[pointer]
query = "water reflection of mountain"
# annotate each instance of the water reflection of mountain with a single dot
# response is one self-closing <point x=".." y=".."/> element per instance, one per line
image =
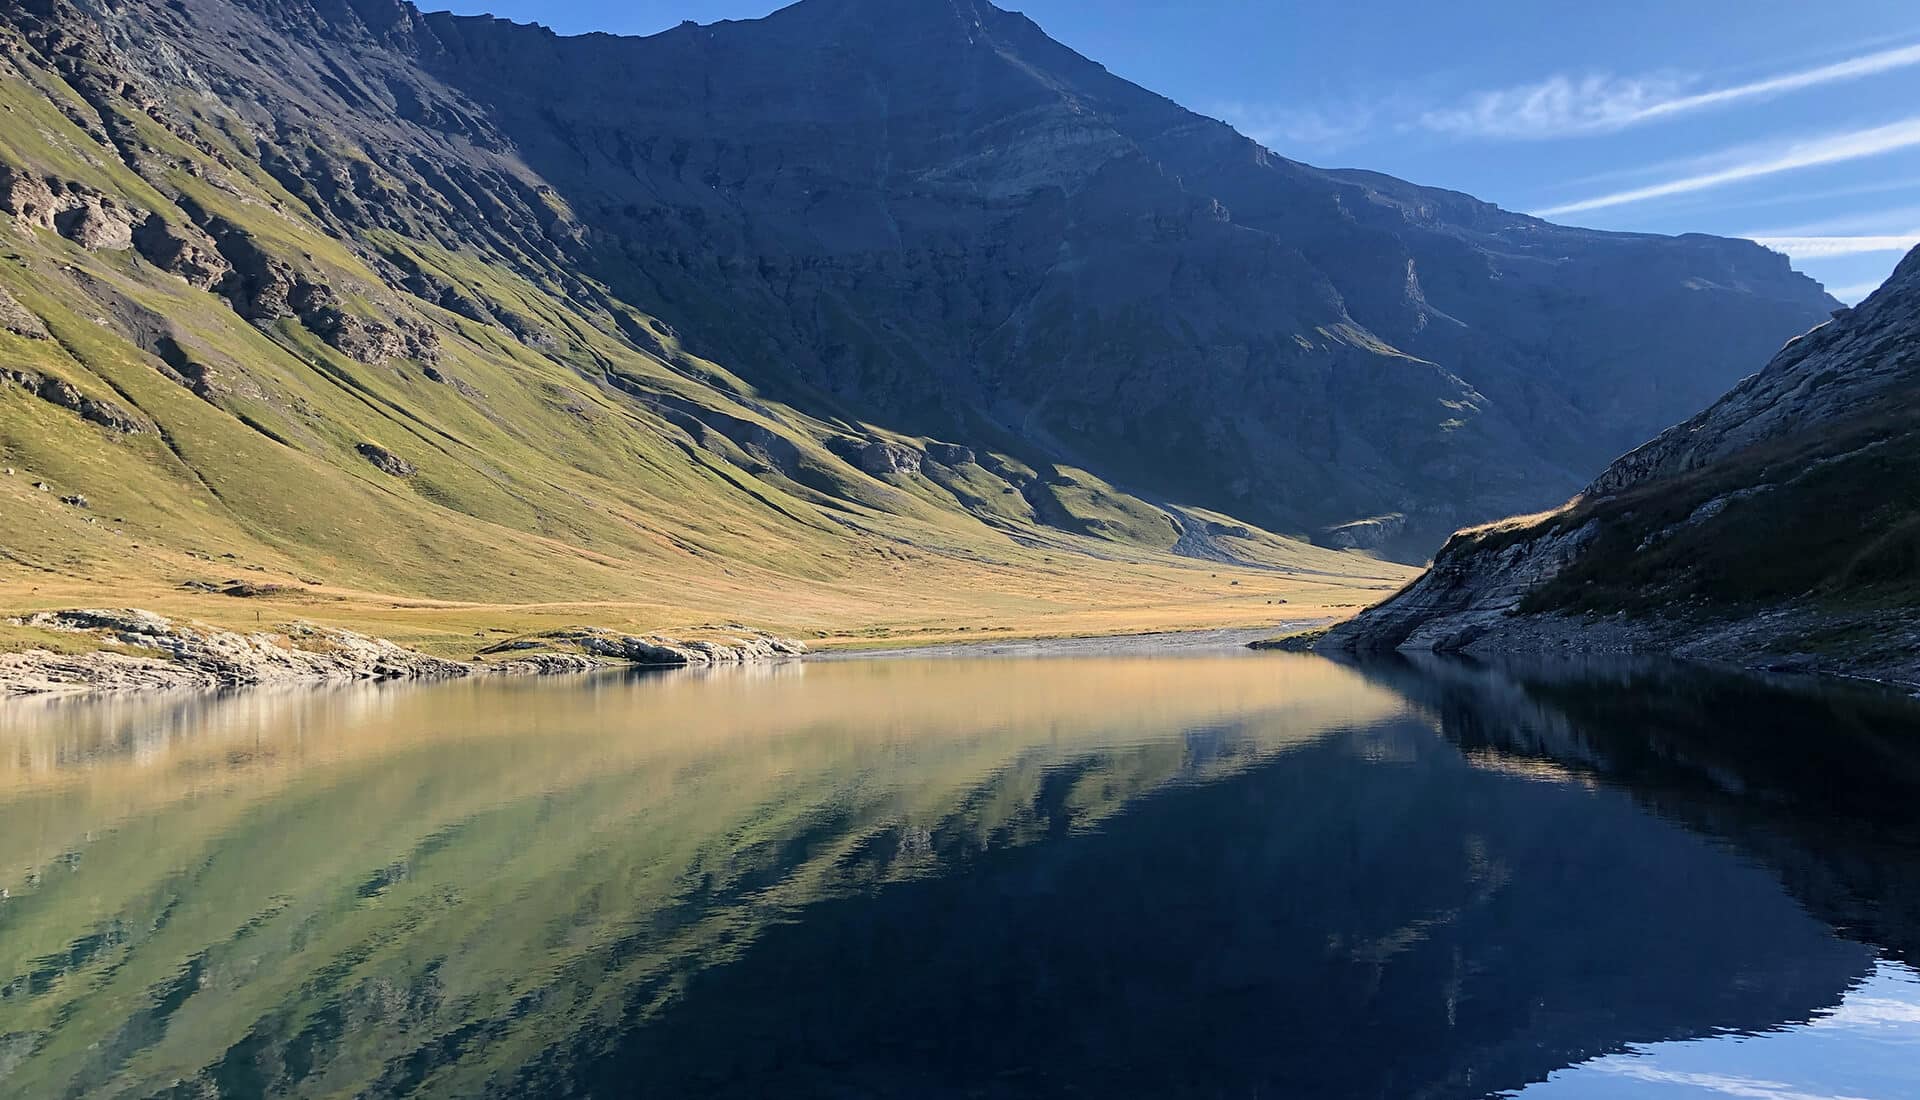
<point x="1819" y="781"/>
<point x="367" y="890"/>
<point x="1116" y="876"/>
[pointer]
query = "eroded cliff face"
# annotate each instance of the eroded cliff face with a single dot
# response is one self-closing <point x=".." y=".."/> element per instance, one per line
<point x="1780" y="526"/>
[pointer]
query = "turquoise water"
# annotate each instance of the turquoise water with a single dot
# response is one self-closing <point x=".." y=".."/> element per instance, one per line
<point x="1207" y="875"/>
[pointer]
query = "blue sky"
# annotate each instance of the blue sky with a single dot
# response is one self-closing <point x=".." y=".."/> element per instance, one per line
<point x="1795" y="122"/>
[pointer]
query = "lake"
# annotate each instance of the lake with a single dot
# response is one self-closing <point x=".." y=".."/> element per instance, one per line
<point x="1204" y="874"/>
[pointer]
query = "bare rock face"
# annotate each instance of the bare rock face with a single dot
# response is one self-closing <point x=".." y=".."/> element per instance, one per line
<point x="96" y="224"/>
<point x="1471" y="588"/>
<point x="27" y="197"/>
<point x="1837" y="369"/>
<point x="951" y="454"/>
<point x="89" y="219"/>
<point x="883" y="457"/>
<point x="17" y="319"/>
<point x="654" y="649"/>
<point x="1372" y="533"/>
<point x="181" y="251"/>
<point x="386" y="461"/>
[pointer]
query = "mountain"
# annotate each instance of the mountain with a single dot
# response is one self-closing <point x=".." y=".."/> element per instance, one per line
<point x="1782" y="521"/>
<point x="937" y="214"/>
<point x="855" y="314"/>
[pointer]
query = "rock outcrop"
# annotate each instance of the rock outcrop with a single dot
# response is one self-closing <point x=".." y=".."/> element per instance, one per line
<point x="882" y="458"/>
<point x="65" y="395"/>
<point x="1779" y="527"/>
<point x="737" y="646"/>
<point x="1464" y="596"/>
<point x="155" y="652"/>
<point x="386" y="461"/>
<point x="94" y="221"/>
<point x="142" y="651"/>
<point x="182" y="251"/>
<point x="1372" y="533"/>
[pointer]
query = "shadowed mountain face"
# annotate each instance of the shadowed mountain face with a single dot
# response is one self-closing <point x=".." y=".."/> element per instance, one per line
<point x="932" y="209"/>
<point x="928" y="215"/>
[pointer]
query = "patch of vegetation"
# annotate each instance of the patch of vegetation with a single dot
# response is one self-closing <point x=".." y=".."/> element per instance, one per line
<point x="1835" y="521"/>
<point x="1300" y="641"/>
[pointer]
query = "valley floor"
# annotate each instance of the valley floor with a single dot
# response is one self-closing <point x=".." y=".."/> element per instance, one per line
<point x="951" y="603"/>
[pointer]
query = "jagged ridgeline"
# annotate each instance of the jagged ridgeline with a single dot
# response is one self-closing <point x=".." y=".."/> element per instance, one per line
<point x="455" y="308"/>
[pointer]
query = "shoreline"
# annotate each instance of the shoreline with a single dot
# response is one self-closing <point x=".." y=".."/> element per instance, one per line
<point x="139" y="652"/>
<point x="1753" y="644"/>
<point x="1221" y="639"/>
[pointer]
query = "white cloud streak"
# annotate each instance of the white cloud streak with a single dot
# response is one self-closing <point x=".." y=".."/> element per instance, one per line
<point x="1720" y="1084"/>
<point x="1556" y="107"/>
<point x="1835" y="149"/>
<point x="1285" y="127"/>
<point x="1821" y="248"/>
<point x="1564" y="105"/>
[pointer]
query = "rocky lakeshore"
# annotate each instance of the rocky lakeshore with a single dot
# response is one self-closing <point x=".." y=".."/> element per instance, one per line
<point x="1879" y="647"/>
<point x="141" y="651"/>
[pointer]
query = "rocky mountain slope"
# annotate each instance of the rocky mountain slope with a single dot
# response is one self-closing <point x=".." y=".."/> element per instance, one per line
<point x="865" y="305"/>
<point x="1780" y="525"/>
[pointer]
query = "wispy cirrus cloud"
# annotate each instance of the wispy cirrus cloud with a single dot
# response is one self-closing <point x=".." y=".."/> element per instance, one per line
<point x="1826" y="248"/>
<point x="1286" y="127"/>
<point x="1832" y="149"/>
<point x="1556" y="107"/>
<point x="1564" y="105"/>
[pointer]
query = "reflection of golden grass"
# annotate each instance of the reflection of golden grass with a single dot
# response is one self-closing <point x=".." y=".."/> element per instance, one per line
<point x="162" y="747"/>
<point x="526" y="823"/>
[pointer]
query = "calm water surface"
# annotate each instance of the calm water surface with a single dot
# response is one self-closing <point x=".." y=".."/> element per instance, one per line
<point x="1097" y="876"/>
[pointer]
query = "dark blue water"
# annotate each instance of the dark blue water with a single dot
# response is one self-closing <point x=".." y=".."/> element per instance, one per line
<point x="1102" y="876"/>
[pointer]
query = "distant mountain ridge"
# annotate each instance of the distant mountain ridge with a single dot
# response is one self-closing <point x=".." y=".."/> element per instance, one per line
<point x="726" y="309"/>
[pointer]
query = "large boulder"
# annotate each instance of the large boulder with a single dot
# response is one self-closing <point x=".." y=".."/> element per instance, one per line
<point x="386" y="461"/>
